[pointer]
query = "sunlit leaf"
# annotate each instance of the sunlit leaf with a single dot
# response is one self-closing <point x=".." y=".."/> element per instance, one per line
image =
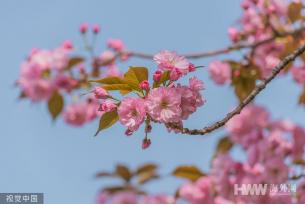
<point x="224" y="145"/>
<point x="189" y="172"/>
<point x="109" y="80"/>
<point x="134" y="76"/>
<point x="107" y="120"/>
<point x="123" y="172"/>
<point x="295" y="11"/>
<point x="55" y="104"/>
<point x="147" y="176"/>
<point x="146" y="168"/>
<point x="245" y="81"/>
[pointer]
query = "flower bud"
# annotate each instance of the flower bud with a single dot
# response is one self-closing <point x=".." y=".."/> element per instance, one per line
<point x="100" y="93"/>
<point x="146" y="143"/>
<point x="144" y="85"/>
<point x="96" y="28"/>
<point x="128" y="132"/>
<point x="157" y="75"/>
<point x="83" y="28"/>
<point x="67" y="44"/>
<point x="192" y="67"/>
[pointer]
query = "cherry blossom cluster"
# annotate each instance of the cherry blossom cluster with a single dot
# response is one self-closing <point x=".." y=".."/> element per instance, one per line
<point x="165" y="101"/>
<point x="262" y="20"/>
<point x="272" y="148"/>
<point x="55" y="75"/>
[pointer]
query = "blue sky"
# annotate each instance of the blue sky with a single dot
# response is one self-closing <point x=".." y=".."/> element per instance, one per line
<point x="37" y="155"/>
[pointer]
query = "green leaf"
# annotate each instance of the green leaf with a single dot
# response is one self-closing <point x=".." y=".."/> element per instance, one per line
<point x="224" y="145"/>
<point x="123" y="172"/>
<point x="189" y="172"/>
<point x="245" y="81"/>
<point x="73" y="62"/>
<point x="107" y="120"/>
<point x="295" y="11"/>
<point x="164" y="77"/>
<point x="55" y="104"/>
<point x="120" y="87"/>
<point x="146" y="168"/>
<point x="146" y="173"/>
<point x="134" y="76"/>
<point x="109" y="80"/>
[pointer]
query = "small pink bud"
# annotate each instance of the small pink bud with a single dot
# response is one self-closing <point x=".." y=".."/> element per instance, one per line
<point x="83" y="28"/>
<point x="157" y="75"/>
<point x="100" y="93"/>
<point x="233" y="34"/>
<point x="116" y="44"/>
<point x="67" y="44"/>
<point x="271" y="9"/>
<point x="236" y="73"/>
<point x="128" y="132"/>
<point x="144" y="85"/>
<point x="192" y="67"/>
<point x="96" y="28"/>
<point x="146" y="143"/>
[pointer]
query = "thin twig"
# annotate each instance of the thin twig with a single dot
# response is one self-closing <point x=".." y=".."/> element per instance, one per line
<point x="220" y="51"/>
<point x="247" y="100"/>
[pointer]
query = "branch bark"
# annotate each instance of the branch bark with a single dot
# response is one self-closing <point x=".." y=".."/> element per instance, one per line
<point x="288" y="59"/>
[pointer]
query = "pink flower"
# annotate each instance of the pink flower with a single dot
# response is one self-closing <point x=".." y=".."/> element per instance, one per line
<point x="158" y="199"/>
<point x="132" y="112"/>
<point x="100" y="93"/>
<point x="125" y="198"/>
<point x="163" y="105"/>
<point x="167" y="61"/>
<point x="298" y="74"/>
<point x="102" y="198"/>
<point x="65" y="83"/>
<point x="107" y="57"/>
<point x="175" y="74"/>
<point x="198" y="192"/>
<point x="220" y="72"/>
<point x="196" y="84"/>
<point x="298" y="148"/>
<point x="190" y="100"/>
<point x="67" y="44"/>
<point x="76" y="114"/>
<point x="245" y="131"/>
<point x="107" y="106"/>
<point x="116" y="44"/>
<point x="234" y="35"/>
<point x="37" y="90"/>
<point x="113" y="70"/>
<point x="144" y="85"/>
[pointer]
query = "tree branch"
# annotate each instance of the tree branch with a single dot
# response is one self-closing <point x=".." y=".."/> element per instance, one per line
<point x="226" y="50"/>
<point x="247" y="100"/>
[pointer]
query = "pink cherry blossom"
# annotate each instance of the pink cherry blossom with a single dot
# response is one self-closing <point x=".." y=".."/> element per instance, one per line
<point x="144" y="85"/>
<point x="233" y="34"/>
<point x="100" y="93"/>
<point x="196" y="84"/>
<point x="167" y="61"/>
<point x="125" y="198"/>
<point x="158" y="199"/>
<point x="107" y="106"/>
<point x="116" y="44"/>
<point x="132" y="112"/>
<point x="37" y="90"/>
<point x="64" y="82"/>
<point x="163" y="105"/>
<point x="220" y="72"/>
